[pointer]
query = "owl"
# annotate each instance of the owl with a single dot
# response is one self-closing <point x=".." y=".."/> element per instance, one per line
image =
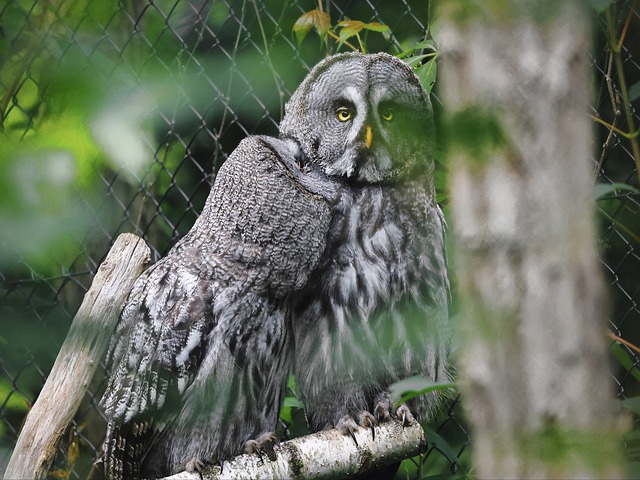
<point x="319" y="252"/>
<point x="375" y="308"/>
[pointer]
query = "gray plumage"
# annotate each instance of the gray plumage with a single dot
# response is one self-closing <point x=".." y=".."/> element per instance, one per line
<point x="201" y="353"/>
<point x="375" y="310"/>
<point x="314" y="245"/>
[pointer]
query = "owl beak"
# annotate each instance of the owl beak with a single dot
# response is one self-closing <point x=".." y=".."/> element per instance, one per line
<point x="368" y="136"/>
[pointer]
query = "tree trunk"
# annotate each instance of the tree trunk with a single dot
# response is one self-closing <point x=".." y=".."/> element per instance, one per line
<point x="534" y="368"/>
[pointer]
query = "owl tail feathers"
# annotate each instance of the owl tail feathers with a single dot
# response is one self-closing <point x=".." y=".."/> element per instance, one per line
<point x="124" y="449"/>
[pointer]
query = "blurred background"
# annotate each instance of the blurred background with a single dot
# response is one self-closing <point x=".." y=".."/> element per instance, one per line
<point x="116" y="114"/>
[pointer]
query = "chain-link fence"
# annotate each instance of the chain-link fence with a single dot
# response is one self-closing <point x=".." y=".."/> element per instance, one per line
<point x="143" y="100"/>
<point x="616" y="69"/>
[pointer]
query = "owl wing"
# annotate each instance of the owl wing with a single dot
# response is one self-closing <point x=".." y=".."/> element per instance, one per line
<point x="263" y="229"/>
<point x="155" y="353"/>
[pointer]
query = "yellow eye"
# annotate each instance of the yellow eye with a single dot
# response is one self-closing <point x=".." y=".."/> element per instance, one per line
<point x="387" y="115"/>
<point x="344" y="114"/>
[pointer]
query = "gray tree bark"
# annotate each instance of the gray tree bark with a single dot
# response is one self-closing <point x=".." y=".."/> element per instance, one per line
<point x="534" y="367"/>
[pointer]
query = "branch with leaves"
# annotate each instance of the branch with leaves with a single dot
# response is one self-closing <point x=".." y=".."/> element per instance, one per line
<point x="320" y="20"/>
<point x="421" y="57"/>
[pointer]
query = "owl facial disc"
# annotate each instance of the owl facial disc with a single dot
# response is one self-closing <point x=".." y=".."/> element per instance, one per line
<point x="364" y="118"/>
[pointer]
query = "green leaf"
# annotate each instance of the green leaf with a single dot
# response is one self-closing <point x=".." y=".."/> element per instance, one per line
<point x="414" y="387"/>
<point x="293" y="402"/>
<point x="416" y="60"/>
<point x="603" y="190"/>
<point x="623" y="358"/>
<point x="427" y="75"/>
<point x="291" y="383"/>
<point x="424" y="44"/>
<point x="286" y="415"/>
<point x="322" y="22"/>
<point x="349" y="28"/>
<point x="302" y="26"/>
<point x="314" y="18"/>
<point x="440" y="444"/>
<point x="376" y="27"/>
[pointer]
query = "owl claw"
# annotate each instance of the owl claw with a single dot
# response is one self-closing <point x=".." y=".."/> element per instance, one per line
<point x="263" y="443"/>
<point x="405" y="416"/>
<point x="347" y="426"/>
<point x="382" y="410"/>
<point x="353" y="436"/>
<point x="196" y="465"/>
<point x="367" y="420"/>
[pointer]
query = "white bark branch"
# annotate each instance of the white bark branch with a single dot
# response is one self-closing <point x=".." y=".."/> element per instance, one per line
<point x="323" y="455"/>
<point x="78" y="359"/>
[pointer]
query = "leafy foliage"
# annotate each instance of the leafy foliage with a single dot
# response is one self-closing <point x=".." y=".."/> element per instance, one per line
<point x="317" y="19"/>
<point x="424" y="64"/>
<point x="415" y="386"/>
<point x="346" y="29"/>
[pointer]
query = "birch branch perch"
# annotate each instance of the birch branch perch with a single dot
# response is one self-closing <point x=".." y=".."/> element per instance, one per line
<point x="323" y="455"/>
<point x="78" y="358"/>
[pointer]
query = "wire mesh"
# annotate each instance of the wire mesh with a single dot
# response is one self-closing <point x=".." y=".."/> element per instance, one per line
<point x="616" y="67"/>
<point x="189" y="79"/>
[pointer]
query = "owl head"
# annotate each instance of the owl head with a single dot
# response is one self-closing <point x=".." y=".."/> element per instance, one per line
<point x="363" y="117"/>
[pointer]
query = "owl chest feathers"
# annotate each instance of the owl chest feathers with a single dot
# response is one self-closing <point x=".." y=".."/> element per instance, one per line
<point x="374" y="254"/>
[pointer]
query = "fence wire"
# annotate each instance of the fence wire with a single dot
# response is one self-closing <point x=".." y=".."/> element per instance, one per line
<point x="168" y="88"/>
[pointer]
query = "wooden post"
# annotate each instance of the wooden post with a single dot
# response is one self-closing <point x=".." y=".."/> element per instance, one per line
<point x="78" y="359"/>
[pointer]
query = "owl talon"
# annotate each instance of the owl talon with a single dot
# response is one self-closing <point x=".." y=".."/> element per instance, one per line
<point x="382" y="410"/>
<point x="405" y="416"/>
<point x="347" y="426"/>
<point x="367" y="420"/>
<point x="196" y="465"/>
<point x="263" y="443"/>
<point x="353" y="436"/>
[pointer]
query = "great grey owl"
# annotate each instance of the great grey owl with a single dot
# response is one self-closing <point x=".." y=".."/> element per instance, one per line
<point x="375" y="308"/>
<point x="323" y="248"/>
